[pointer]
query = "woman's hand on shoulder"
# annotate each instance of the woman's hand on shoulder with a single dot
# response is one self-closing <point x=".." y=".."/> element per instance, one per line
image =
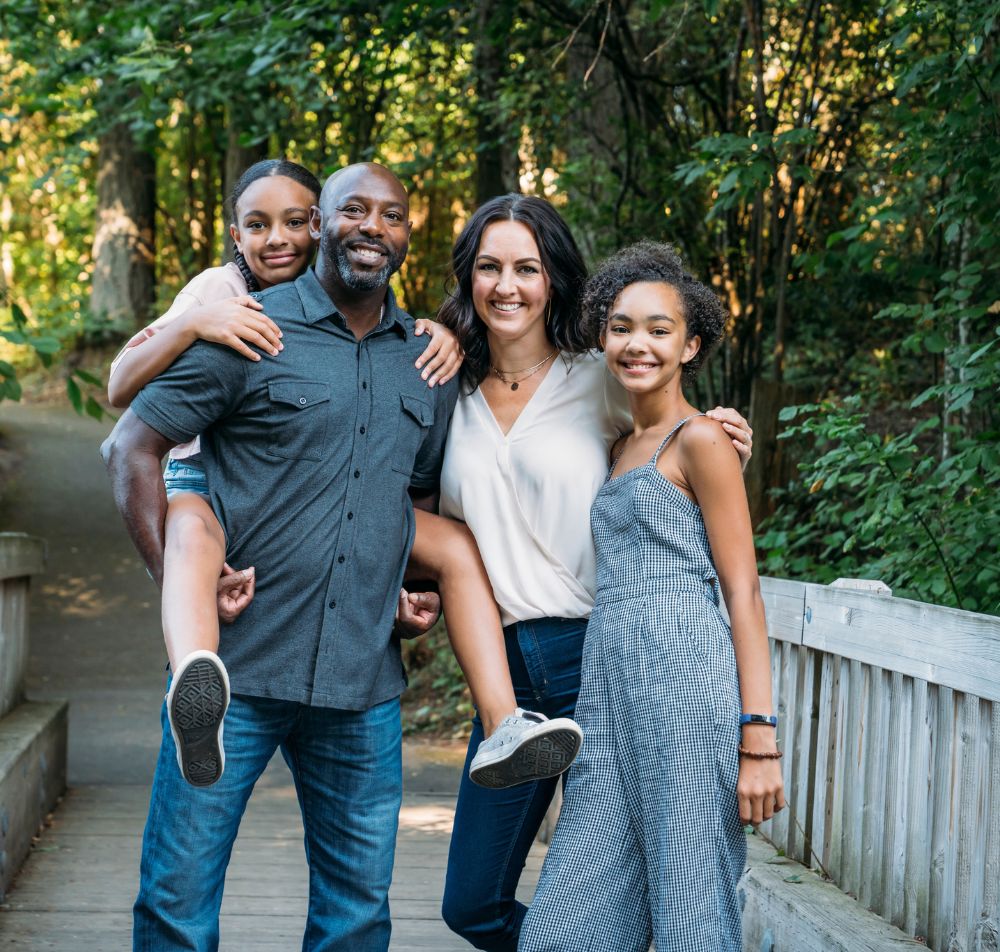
<point x="737" y="429"/>
<point x="237" y="323"/>
<point x="442" y="357"/>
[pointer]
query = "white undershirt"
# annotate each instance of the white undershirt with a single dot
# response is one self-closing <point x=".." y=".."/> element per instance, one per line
<point x="526" y="496"/>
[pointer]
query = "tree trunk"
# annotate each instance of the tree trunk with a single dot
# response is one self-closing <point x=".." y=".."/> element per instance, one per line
<point x="124" y="285"/>
<point x="238" y="159"/>
<point x="770" y="466"/>
<point x="496" y="158"/>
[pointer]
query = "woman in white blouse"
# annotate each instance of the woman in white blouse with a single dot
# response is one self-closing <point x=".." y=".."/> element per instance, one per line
<point x="527" y="452"/>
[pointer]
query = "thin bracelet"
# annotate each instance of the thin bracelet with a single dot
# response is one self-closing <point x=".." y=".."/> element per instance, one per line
<point x="760" y="754"/>
<point x="768" y="719"/>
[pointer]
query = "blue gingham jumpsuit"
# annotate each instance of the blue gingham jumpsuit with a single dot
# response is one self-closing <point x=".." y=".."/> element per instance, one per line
<point x="649" y="844"/>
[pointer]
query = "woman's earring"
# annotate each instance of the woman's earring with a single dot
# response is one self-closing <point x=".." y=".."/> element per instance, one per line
<point x="548" y="312"/>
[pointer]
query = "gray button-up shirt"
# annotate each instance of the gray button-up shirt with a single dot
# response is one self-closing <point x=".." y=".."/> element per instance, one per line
<point x="309" y="456"/>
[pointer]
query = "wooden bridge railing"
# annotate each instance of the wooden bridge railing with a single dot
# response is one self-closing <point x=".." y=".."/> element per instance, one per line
<point x="890" y="721"/>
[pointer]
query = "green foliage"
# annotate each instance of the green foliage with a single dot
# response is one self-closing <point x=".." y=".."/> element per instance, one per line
<point x="882" y="506"/>
<point x="437" y="700"/>
<point x="830" y="167"/>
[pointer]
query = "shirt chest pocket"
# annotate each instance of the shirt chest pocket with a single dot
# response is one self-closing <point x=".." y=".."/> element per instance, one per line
<point x="298" y="419"/>
<point x="415" y="419"/>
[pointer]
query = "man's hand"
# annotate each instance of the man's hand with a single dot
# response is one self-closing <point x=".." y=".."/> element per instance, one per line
<point x="737" y="429"/>
<point x="416" y="613"/>
<point x="234" y="592"/>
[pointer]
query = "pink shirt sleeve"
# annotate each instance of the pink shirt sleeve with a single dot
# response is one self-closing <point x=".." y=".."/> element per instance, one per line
<point x="215" y="284"/>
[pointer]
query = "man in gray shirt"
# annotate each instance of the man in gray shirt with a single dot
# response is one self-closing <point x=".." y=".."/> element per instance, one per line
<point x="312" y="458"/>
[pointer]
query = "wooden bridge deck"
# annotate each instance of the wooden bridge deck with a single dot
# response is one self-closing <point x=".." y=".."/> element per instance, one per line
<point x="77" y="888"/>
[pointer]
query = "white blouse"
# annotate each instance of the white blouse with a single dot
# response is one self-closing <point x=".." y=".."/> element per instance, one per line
<point x="526" y="496"/>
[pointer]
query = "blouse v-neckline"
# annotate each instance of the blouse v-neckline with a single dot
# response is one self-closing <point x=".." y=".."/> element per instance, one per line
<point x="527" y="410"/>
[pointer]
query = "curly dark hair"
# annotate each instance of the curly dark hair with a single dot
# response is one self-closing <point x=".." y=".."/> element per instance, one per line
<point x="561" y="260"/>
<point x="265" y="169"/>
<point x="654" y="261"/>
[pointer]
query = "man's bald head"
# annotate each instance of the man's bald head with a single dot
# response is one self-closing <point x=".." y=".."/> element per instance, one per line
<point x="361" y="175"/>
<point x="363" y="227"/>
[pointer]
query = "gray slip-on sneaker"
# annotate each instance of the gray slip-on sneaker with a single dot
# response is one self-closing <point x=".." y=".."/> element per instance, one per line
<point x="526" y="746"/>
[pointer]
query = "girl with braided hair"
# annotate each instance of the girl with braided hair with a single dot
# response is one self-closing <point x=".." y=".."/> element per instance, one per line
<point x="271" y="207"/>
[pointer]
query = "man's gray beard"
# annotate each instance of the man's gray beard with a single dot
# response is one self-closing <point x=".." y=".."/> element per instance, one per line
<point x="362" y="280"/>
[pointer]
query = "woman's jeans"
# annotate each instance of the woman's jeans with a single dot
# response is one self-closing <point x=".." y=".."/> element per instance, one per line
<point x="494" y="829"/>
<point x="348" y="775"/>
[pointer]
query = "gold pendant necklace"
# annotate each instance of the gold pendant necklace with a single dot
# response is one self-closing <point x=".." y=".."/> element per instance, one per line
<point x="506" y="375"/>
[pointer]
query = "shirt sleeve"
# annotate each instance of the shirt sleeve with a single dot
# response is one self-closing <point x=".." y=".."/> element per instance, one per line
<point x="430" y="456"/>
<point x="206" y="383"/>
<point x="216" y="284"/>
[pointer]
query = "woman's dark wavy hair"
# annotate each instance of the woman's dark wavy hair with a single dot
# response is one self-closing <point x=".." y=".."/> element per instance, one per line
<point x="561" y="260"/>
<point x="265" y="169"/>
<point x="652" y="261"/>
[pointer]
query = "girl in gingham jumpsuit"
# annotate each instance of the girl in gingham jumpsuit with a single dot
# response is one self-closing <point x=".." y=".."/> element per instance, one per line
<point x="650" y="843"/>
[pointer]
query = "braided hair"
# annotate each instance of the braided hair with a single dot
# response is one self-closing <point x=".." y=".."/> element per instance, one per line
<point x="265" y="169"/>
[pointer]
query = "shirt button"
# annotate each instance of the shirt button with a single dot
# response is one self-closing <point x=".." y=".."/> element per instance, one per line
<point x="357" y="473"/>
<point x="303" y="401"/>
<point x="333" y="604"/>
<point x="340" y="558"/>
<point x="364" y="384"/>
<point x="350" y="515"/>
<point x="362" y="431"/>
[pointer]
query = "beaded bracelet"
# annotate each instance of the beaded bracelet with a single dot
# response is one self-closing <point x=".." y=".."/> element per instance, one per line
<point x="761" y="754"/>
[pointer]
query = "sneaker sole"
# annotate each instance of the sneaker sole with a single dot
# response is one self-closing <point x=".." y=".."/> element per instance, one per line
<point x="540" y="757"/>
<point x="197" y="706"/>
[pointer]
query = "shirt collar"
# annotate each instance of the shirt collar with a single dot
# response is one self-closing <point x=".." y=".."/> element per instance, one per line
<point x="317" y="305"/>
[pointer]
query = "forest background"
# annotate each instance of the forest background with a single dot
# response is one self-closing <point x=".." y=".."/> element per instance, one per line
<point x="831" y="167"/>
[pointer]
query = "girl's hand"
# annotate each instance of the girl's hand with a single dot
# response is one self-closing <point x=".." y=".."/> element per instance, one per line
<point x="759" y="789"/>
<point x="416" y="613"/>
<point x="737" y="429"/>
<point x="234" y="591"/>
<point x="442" y="356"/>
<point x="236" y="322"/>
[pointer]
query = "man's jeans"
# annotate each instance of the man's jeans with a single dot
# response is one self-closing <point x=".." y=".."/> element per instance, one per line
<point x="348" y="775"/>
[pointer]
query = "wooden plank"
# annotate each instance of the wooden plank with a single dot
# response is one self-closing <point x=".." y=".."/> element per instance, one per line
<point x="873" y="782"/>
<point x="808" y="916"/>
<point x="942" y="645"/>
<point x="968" y="884"/>
<point x="917" y="864"/>
<point x="898" y="782"/>
<point x="802" y="760"/>
<point x="784" y="606"/>
<point x="787" y="705"/>
<point x="989" y="928"/>
<point x="942" y="898"/>
<point x="853" y="754"/>
<point x="826" y="758"/>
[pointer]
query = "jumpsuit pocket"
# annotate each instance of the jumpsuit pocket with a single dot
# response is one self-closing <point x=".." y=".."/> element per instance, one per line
<point x="415" y="419"/>
<point x="298" y="418"/>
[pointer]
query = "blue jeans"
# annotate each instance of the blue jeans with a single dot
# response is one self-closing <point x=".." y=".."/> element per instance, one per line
<point x="494" y="829"/>
<point x="348" y="775"/>
<point x="186" y="476"/>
